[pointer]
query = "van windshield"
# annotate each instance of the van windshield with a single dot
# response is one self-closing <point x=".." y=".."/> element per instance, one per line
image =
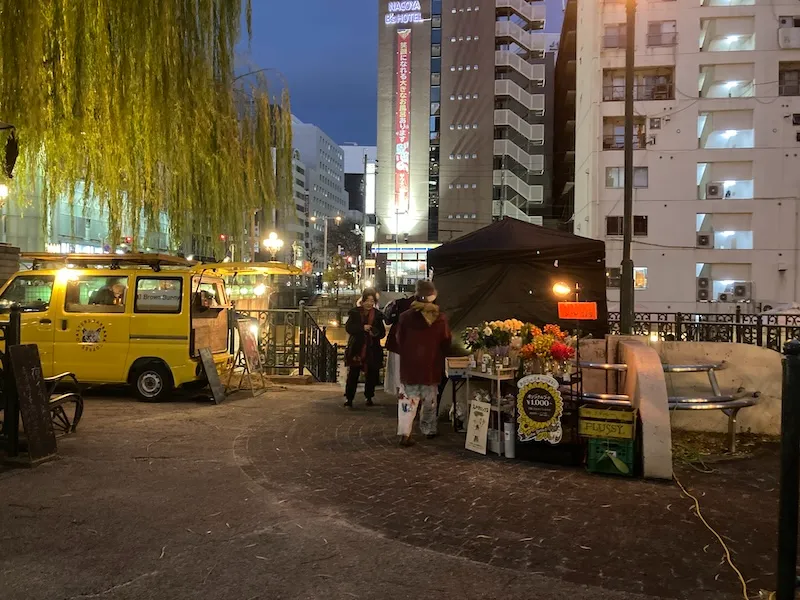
<point x="31" y="292"/>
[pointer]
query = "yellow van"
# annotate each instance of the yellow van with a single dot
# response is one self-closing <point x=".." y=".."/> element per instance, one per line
<point x="139" y="319"/>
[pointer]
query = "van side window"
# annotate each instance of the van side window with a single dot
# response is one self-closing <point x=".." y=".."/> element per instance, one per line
<point x="158" y="295"/>
<point x="31" y="292"/>
<point x="95" y="294"/>
<point x="207" y="294"/>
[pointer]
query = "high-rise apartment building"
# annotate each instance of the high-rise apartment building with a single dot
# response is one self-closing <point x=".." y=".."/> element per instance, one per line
<point x="716" y="149"/>
<point x="356" y="159"/>
<point x="464" y="118"/>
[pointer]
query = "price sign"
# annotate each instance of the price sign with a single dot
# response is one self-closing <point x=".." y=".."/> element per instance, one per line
<point x="577" y="311"/>
<point x="539" y="409"/>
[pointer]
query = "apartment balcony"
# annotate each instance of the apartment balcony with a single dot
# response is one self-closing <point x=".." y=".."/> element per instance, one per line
<point x="501" y="208"/>
<point x="531" y="41"/>
<point x="727" y="2"/>
<point x="727" y="81"/>
<point x="643" y="91"/>
<point x="729" y="34"/>
<point x="504" y="58"/>
<point x="725" y="180"/>
<point x="533" y="102"/>
<point x="614" y="133"/>
<point x="725" y="129"/>
<point x="662" y="38"/>
<point x="532" y="162"/>
<point x="530" y="193"/>
<point x="532" y="132"/>
<point x="533" y="13"/>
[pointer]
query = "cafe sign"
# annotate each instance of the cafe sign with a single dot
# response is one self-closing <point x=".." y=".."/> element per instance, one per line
<point x="404" y="13"/>
<point x="539" y="410"/>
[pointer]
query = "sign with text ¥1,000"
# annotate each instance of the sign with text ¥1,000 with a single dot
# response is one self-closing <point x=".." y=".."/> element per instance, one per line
<point x="577" y="311"/>
<point x="478" y="426"/>
<point x="539" y="410"/>
<point x="606" y="423"/>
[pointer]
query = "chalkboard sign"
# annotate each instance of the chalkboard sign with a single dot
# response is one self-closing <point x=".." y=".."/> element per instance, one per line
<point x="249" y="345"/>
<point x="539" y="410"/>
<point x="210" y="369"/>
<point x="34" y="401"/>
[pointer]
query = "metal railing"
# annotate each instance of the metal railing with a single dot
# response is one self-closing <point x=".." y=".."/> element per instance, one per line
<point x="767" y="330"/>
<point x="641" y="91"/>
<point x="667" y="38"/>
<point x="295" y="340"/>
<point x="617" y="142"/>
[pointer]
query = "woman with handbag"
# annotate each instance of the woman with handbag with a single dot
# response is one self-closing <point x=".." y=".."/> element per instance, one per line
<point x="364" y="353"/>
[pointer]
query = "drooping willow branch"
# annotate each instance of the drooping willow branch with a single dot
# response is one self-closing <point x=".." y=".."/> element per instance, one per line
<point x="133" y="105"/>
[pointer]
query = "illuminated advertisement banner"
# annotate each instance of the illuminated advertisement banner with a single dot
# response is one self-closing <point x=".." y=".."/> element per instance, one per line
<point x="402" y="129"/>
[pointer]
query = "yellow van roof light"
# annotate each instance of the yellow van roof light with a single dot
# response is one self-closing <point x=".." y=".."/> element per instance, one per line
<point x="112" y="261"/>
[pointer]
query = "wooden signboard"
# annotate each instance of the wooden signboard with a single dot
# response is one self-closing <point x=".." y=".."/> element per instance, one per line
<point x="34" y="402"/>
<point x="577" y="311"/>
<point x="478" y="426"/>
<point x="210" y="369"/>
<point x="249" y="345"/>
<point x="606" y="423"/>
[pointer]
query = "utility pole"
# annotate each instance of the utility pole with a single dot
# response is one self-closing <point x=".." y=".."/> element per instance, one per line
<point x="324" y="248"/>
<point x="626" y="309"/>
<point x="364" y="227"/>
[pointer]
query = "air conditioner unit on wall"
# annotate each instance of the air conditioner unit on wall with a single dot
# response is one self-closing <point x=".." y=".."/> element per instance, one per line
<point x="742" y="291"/>
<point x="725" y="297"/>
<point x="714" y="190"/>
<point x="703" y="289"/>
<point x="705" y="239"/>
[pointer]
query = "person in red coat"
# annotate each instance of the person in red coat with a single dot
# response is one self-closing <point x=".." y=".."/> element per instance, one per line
<point x="423" y="339"/>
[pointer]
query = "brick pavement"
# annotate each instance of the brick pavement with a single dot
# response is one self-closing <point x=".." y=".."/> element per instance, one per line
<point x="619" y="534"/>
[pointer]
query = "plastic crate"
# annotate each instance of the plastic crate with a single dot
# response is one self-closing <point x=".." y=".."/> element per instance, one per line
<point x="600" y="452"/>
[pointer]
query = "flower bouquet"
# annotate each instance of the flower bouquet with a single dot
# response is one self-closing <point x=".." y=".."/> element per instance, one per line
<point x="549" y="351"/>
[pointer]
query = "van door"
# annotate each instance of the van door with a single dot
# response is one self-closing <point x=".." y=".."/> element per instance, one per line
<point x="92" y="331"/>
<point x="33" y="292"/>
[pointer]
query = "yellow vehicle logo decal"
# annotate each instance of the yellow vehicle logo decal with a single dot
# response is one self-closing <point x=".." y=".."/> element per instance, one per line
<point x="91" y="334"/>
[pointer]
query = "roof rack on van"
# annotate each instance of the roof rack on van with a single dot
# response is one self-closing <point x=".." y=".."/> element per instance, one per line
<point x="113" y="261"/>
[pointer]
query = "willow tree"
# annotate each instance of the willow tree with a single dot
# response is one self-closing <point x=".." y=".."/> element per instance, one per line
<point x="136" y="104"/>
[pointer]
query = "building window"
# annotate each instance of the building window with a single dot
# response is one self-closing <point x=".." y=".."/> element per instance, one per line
<point x="662" y="33"/>
<point x="436" y="65"/>
<point x="614" y="226"/>
<point x="436" y="78"/>
<point x="436" y="50"/>
<point x="615" y="177"/>
<point x="436" y="36"/>
<point x="436" y="93"/>
<point x="614" y="278"/>
<point x="789" y="78"/>
<point x="614" y="36"/>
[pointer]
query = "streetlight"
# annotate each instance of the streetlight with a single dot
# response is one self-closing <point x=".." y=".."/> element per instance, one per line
<point x="273" y="244"/>
<point x="563" y="290"/>
<point x="338" y="220"/>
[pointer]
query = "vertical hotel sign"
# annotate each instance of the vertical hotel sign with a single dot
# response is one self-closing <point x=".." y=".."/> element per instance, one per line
<point x="402" y="129"/>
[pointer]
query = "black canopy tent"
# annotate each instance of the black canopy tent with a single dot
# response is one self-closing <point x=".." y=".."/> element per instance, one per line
<point x="507" y="270"/>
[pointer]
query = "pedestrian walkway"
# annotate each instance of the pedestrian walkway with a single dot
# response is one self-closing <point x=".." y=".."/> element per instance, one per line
<point x="291" y="496"/>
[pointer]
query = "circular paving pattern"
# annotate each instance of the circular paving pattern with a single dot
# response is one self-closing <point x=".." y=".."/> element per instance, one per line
<point x="618" y="533"/>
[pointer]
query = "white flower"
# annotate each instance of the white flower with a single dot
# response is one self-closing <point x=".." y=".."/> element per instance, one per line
<point x="487" y="331"/>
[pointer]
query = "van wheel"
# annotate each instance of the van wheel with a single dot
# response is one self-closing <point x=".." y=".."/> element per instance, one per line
<point x="153" y="382"/>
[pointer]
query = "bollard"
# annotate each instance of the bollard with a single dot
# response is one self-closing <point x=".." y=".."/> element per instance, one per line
<point x="790" y="472"/>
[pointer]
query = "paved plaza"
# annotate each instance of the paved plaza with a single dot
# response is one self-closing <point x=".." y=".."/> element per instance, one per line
<point x="289" y="495"/>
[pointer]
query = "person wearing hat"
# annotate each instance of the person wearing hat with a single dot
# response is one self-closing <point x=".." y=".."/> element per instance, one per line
<point x="423" y="339"/>
<point x="364" y="353"/>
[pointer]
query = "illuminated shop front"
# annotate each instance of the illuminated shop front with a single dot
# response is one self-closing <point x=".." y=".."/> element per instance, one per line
<point x="399" y="266"/>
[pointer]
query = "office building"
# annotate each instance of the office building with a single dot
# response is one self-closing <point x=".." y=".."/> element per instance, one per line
<point x="464" y="119"/>
<point x="355" y="160"/>
<point x="323" y="161"/>
<point x="716" y="150"/>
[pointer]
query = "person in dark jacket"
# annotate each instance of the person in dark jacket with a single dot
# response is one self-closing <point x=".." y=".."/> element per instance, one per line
<point x="364" y="353"/>
<point x="423" y="338"/>
<point x="391" y="381"/>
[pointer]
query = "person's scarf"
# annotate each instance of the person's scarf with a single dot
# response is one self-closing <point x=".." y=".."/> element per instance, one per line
<point x="428" y="310"/>
<point x="366" y="319"/>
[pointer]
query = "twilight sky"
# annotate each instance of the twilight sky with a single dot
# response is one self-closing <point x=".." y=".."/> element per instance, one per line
<point x="327" y="51"/>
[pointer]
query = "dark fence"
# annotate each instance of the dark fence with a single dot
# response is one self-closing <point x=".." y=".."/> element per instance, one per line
<point x="9" y="407"/>
<point x="768" y="330"/>
<point x="295" y="340"/>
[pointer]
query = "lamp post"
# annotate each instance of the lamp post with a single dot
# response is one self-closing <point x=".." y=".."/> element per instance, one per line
<point x="563" y="290"/>
<point x="273" y="244"/>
